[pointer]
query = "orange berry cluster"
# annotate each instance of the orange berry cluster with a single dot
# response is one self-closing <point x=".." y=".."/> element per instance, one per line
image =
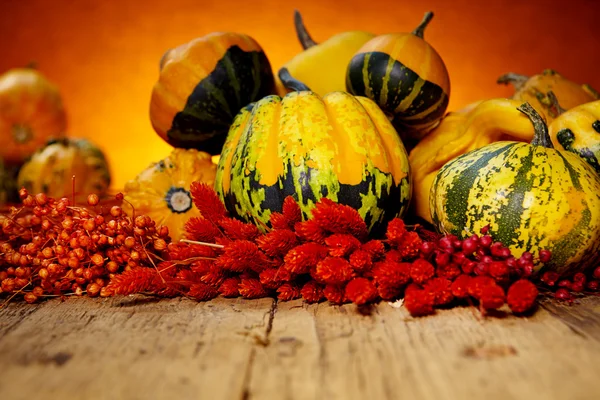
<point x="51" y="247"/>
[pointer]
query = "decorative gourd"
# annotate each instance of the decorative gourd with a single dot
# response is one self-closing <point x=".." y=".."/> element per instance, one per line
<point x="534" y="91"/>
<point x="162" y="191"/>
<point x="334" y="53"/>
<point x="405" y="76"/>
<point x="31" y="113"/>
<point x="473" y="127"/>
<point x="532" y="196"/>
<point x="202" y="86"/>
<point x="578" y="131"/>
<point x="337" y="146"/>
<point x="51" y="169"/>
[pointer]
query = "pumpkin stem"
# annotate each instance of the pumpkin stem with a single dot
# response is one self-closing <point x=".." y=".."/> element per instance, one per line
<point x="554" y="107"/>
<point x="420" y="30"/>
<point x="291" y="83"/>
<point x="303" y="36"/>
<point x="541" y="137"/>
<point x="517" y="80"/>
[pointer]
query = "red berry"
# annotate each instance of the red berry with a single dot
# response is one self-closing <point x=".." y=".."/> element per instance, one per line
<point x="468" y="267"/>
<point x="445" y="243"/>
<point x="550" y="278"/>
<point x="427" y="248"/>
<point x="593" y="285"/>
<point x="485" y="241"/>
<point x="459" y="258"/>
<point x="485" y="230"/>
<point x="578" y="286"/>
<point x="596" y="273"/>
<point x="563" y="294"/>
<point x="545" y="256"/>
<point x="527" y="256"/>
<point x="564" y="283"/>
<point x="481" y="268"/>
<point x="469" y="246"/>
<point x="442" y="259"/>
<point x="492" y="297"/>
<point x="579" y="277"/>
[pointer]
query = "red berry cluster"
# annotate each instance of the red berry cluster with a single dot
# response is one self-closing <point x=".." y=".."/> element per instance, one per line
<point x="566" y="289"/>
<point x="330" y="256"/>
<point x="50" y="247"/>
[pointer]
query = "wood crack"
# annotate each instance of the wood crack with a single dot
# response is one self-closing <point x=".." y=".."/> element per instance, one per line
<point x="246" y="391"/>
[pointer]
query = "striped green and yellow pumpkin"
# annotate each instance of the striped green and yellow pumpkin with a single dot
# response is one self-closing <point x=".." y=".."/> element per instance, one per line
<point x="578" y="131"/>
<point x="202" y="86"/>
<point x="405" y="76"/>
<point x="532" y="196"/>
<point x="337" y="146"/>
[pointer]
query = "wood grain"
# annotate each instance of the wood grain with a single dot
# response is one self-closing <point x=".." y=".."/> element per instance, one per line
<point x="144" y="348"/>
<point x="583" y="315"/>
<point x="133" y="349"/>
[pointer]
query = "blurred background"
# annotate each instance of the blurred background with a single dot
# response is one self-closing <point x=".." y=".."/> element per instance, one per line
<point x="104" y="55"/>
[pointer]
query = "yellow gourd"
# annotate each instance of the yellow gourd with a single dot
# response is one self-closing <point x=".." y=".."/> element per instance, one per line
<point x="162" y="191"/>
<point x="471" y="128"/>
<point x="322" y="66"/>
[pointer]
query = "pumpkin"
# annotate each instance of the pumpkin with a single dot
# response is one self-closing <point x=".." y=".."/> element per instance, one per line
<point x="335" y="53"/>
<point x="532" y="196"/>
<point x="534" y="90"/>
<point x="578" y="131"/>
<point x="310" y="147"/>
<point x="162" y="191"/>
<point x="405" y="76"/>
<point x="50" y="170"/>
<point x="202" y="86"/>
<point x="31" y="113"/>
<point x="459" y="132"/>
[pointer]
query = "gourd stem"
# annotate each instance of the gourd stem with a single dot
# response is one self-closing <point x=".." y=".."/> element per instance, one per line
<point x="420" y="30"/>
<point x="517" y="80"/>
<point x="290" y="82"/>
<point x="541" y="137"/>
<point x="303" y="36"/>
<point x="554" y="107"/>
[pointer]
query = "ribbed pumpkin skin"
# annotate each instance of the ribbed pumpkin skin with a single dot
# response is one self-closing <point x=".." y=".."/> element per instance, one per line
<point x="31" y="113"/>
<point x="578" y="131"/>
<point x="406" y="77"/>
<point x="202" y="86"/>
<point x="340" y="147"/>
<point x="532" y="197"/>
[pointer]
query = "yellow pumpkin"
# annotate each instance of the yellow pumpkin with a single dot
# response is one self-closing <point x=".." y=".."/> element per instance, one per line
<point x="31" y="113"/>
<point x="335" y="53"/>
<point x="162" y="191"/>
<point x="471" y="128"/>
<point x="51" y="169"/>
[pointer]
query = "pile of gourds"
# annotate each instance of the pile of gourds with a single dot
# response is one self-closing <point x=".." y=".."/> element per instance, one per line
<point x="361" y="119"/>
<point x="36" y="151"/>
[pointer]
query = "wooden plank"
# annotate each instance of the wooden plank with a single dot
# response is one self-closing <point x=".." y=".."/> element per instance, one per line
<point x="583" y="315"/>
<point x="11" y="314"/>
<point x="133" y="348"/>
<point x="320" y="351"/>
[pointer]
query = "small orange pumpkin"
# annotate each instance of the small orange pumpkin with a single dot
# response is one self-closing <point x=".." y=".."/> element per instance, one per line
<point x="31" y="113"/>
<point x="534" y="90"/>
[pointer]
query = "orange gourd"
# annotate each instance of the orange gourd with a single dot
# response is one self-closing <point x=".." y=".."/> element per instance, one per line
<point x="31" y="113"/>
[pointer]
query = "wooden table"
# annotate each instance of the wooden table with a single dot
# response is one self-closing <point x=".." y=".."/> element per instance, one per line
<point x="145" y="348"/>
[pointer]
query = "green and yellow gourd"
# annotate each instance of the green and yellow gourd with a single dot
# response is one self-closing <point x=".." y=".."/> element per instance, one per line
<point x="405" y="76"/>
<point x="337" y="146"/>
<point x="532" y="196"/>
<point x="202" y="86"/>
<point x="578" y="131"/>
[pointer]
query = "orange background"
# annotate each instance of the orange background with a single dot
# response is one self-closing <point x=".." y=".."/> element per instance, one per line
<point x="104" y="54"/>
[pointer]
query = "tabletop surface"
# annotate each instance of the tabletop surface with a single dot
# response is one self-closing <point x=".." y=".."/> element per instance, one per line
<point x="140" y="347"/>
